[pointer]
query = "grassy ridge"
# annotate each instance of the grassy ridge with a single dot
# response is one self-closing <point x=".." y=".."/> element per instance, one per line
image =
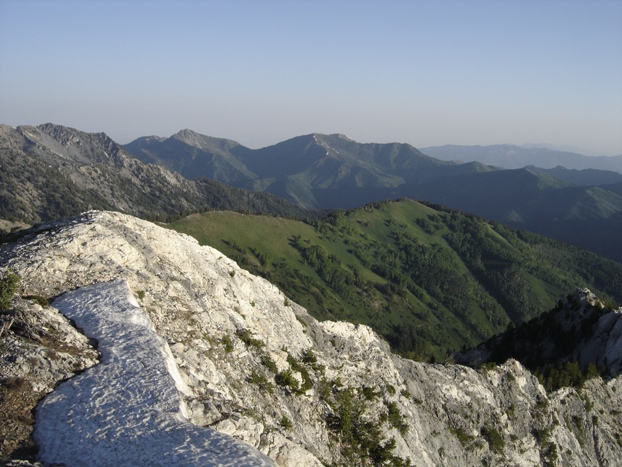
<point x="426" y="278"/>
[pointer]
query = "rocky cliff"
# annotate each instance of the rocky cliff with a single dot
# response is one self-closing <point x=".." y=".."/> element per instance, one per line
<point x="249" y="363"/>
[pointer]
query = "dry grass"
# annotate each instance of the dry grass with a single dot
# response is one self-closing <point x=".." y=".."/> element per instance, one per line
<point x="17" y="404"/>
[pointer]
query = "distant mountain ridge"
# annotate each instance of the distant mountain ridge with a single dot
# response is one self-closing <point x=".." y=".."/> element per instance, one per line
<point x="515" y="157"/>
<point x="528" y="192"/>
<point x="582" y="177"/>
<point x="315" y="170"/>
<point x="333" y="171"/>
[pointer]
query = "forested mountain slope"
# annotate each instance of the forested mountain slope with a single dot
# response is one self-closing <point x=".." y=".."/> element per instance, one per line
<point x="580" y="337"/>
<point x="428" y="279"/>
<point x="333" y="171"/>
<point x="587" y="216"/>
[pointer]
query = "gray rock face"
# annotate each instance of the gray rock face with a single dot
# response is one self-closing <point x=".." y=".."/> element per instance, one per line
<point x="51" y="169"/>
<point x="259" y="368"/>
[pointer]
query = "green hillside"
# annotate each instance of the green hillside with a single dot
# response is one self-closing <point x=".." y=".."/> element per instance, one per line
<point x="428" y="279"/>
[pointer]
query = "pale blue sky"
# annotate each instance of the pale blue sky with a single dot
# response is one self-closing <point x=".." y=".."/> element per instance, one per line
<point x="421" y="72"/>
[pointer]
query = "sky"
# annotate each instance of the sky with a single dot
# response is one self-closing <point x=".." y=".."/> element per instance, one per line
<point x="423" y="72"/>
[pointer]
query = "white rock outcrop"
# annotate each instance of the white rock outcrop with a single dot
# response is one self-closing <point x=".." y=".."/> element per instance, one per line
<point x="228" y="331"/>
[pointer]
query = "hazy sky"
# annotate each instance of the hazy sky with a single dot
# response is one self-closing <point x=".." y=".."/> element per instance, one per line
<point x="421" y="72"/>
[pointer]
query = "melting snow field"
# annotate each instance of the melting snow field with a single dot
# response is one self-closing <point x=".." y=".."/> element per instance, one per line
<point x="126" y="410"/>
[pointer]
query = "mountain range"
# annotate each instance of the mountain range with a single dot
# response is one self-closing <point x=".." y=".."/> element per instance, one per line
<point x="515" y="157"/>
<point x="581" y="205"/>
<point x="315" y="171"/>
<point x="50" y="171"/>
<point x="184" y="357"/>
<point x="335" y="162"/>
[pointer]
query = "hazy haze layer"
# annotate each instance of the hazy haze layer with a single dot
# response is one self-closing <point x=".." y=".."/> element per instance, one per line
<point x="425" y="73"/>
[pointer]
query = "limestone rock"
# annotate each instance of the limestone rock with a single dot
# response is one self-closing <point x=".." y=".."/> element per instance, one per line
<point x="257" y="367"/>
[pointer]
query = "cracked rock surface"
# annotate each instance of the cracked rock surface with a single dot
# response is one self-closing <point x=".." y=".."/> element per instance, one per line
<point x="255" y="366"/>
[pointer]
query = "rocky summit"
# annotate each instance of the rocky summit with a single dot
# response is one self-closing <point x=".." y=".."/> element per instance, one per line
<point x="178" y="347"/>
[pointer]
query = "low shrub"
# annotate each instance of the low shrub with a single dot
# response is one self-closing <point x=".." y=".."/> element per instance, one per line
<point x="286" y="423"/>
<point x="395" y="418"/>
<point x="494" y="438"/>
<point x="286" y="378"/>
<point x="245" y="336"/>
<point x="226" y="341"/>
<point x="261" y="381"/>
<point x="38" y="299"/>
<point x="8" y="286"/>
<point x="270" y="364"/>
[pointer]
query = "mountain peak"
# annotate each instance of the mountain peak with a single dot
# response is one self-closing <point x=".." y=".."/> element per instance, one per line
<point x="198" y="140"/>
<point x="187" y="135"/>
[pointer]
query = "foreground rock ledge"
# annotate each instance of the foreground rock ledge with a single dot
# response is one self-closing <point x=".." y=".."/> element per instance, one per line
<point x="221" y="325"/>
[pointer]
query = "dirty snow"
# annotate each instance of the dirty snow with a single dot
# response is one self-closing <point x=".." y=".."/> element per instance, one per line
<point x="127" y="410"/>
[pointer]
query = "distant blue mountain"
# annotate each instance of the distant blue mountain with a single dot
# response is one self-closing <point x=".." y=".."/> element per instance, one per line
<point x="516" y="157"/>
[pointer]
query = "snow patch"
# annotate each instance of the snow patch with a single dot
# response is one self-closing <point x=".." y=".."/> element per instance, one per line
<point x="126" y="410"/>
